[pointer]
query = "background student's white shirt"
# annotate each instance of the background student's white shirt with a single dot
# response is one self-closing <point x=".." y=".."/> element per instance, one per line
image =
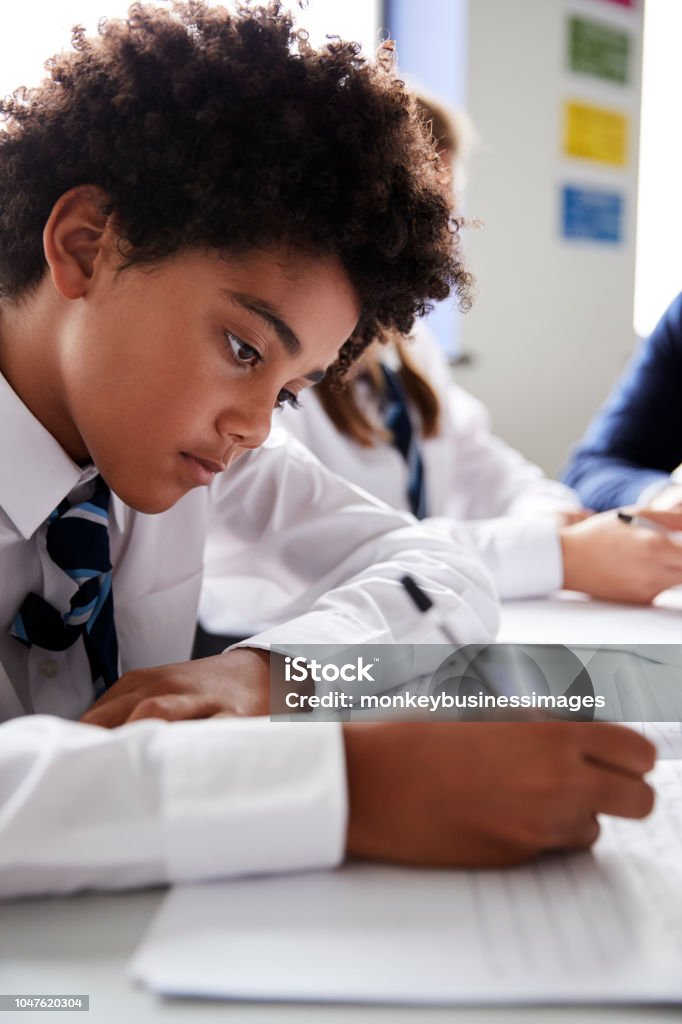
<point x="508" y="504"/>
<point x="83" y="806"/>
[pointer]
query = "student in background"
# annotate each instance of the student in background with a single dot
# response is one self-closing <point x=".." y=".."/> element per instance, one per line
<point x="199" y="215"/>
<point x="634" y="443"/>
<point x="514" y="515"/>
<point x="404" y="432"/>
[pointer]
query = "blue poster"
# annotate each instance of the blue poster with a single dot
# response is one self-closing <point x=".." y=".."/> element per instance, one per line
<point x="592" y="215"/>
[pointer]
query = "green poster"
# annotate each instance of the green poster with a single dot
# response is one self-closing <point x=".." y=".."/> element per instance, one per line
<point x="598" y="49"/>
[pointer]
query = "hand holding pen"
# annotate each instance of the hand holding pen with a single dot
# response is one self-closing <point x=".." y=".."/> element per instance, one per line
<point x="629" y="555"/>
<point x="667" y="523"/>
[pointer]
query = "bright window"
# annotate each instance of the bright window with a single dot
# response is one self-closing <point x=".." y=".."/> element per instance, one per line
<point x="659" y="221"/>
<point x="350" y="19"/>
<point x="36" y="30"/>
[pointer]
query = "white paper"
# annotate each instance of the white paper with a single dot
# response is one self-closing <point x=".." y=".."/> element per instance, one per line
<point x="666" y="737"/>
<point x="600" y="926"/>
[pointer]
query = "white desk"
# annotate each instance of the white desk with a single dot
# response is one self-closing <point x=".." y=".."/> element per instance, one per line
<point x="569" y="618"/>
<point x="82" y="944"/>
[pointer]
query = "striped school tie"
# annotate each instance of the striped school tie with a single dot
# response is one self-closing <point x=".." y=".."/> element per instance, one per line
<point x="397" y="421"/>
<point x="78" y="542"/>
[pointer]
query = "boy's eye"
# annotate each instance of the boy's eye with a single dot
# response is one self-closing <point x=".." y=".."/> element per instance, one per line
<point x="242" y="352"/>
<point x="286" y="397"/>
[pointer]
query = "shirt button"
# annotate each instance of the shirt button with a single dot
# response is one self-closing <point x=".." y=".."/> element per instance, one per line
<point x="49" y="668"/>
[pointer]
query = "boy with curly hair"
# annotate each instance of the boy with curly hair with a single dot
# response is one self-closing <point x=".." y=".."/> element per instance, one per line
<point x="200" y="216"/>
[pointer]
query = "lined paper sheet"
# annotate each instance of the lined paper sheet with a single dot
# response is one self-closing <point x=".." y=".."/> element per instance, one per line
<point x="666" y="737"/>
<point x="600" y="926"/>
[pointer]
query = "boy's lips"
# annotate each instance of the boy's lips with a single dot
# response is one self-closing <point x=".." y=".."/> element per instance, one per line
<point x="202" y="470"/>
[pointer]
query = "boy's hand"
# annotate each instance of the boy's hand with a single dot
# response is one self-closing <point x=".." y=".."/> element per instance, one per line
<point x="488" y="794"/>
<point x="236" y="683"/>
<point x="615" y="562"/>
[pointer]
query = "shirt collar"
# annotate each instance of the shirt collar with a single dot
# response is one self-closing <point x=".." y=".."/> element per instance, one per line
<point x="35" y="471"/>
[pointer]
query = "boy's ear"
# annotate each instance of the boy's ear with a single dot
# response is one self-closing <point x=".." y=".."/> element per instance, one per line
<point x="75" y="237"/>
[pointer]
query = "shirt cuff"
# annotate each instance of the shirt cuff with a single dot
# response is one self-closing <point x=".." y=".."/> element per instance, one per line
<point x="652" y="489"/>
<point x="524" y="555"/>
<point x="252" y="797"/>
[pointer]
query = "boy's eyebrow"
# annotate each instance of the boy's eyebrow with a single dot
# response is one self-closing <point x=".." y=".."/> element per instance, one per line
<point x="272" y="318"/>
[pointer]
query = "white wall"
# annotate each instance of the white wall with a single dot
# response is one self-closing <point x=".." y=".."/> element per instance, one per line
<point x="552" y="322"/>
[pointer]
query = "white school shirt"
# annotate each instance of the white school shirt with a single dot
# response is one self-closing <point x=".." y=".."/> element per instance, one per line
<point x="505" y="503"/>
<point x="153" y="801"/>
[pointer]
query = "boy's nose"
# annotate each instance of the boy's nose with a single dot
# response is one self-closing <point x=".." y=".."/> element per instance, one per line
<point x="248" y="423"/>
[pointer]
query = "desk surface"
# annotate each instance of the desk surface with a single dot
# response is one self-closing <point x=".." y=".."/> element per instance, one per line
<point x="569" y="618"/>
<point x="83" y="944"/>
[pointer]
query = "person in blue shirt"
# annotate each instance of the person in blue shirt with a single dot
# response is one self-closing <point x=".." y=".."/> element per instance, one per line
<point x="634" y="443"/>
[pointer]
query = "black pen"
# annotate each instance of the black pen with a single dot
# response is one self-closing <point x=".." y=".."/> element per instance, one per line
<point x="423" y="602"/>
<point x="647" y="524"/>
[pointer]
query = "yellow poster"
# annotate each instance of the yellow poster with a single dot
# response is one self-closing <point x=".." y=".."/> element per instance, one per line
<point x="596" y="133"/>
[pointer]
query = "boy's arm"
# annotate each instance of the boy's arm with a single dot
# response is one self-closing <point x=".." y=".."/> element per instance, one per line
<point x="82" y="807"/>
<point x="282" y="519"/>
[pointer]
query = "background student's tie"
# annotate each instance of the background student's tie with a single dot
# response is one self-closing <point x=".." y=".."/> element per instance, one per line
<point x="405" y="438"/>
<point x="78" y="542"/>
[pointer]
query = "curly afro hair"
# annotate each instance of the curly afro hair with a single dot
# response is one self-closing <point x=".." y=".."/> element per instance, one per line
<point x="208" y="128"/>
